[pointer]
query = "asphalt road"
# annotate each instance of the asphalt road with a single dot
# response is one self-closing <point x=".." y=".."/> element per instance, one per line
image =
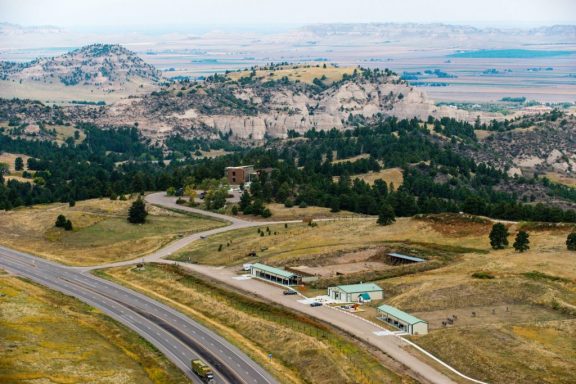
<point x="175" y="335"/>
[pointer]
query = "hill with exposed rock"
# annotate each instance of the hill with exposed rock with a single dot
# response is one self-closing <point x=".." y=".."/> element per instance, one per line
<point x="100" y="68"/>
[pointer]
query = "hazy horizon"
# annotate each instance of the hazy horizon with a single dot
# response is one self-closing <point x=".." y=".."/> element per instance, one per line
<point x="259" y="15"/>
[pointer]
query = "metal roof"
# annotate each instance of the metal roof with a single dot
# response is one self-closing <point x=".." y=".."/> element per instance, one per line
<point x="359" y="288"/>
<point x="273" y="270"/>
<point x="400" y="315"/>
<point x="411" y="258"/>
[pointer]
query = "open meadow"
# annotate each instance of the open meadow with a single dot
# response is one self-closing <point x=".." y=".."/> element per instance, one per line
<point x="305" y="73"/>
<point x="516" y="312"/>
<point x="47" y="337"/>
<point x="101" y="231"/>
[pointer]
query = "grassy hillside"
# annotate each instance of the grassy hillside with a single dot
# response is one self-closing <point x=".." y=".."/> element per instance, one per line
<point x="516" y="312"/>
<point x="46" y="337"/>
<point x="101" y="231"/>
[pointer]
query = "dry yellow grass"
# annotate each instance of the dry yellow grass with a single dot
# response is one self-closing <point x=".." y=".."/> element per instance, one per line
<point x="304" y="350"/>
<point x="497" y="345"/>
<point x="10" y="158"/>
<point x="281" y="213"/>
<point x="389" y="175"/>
<point x="561" y="179"/>
<point x="300" y="242"/>
<point x="303" y="73"/>
<point x="63" y="132"/>
<point x="351" y="159"/>
<point x="46" y="337"/>
<point x="101" y="232"/>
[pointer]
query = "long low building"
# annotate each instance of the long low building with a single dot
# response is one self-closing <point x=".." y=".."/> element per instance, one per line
<point x="275" y="275"/>
<point x="356" y="293"/>
<point x="402" y="320"/>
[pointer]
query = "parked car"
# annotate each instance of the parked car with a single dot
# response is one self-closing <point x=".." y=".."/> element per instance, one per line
<point x="315" y="304"/>
<point x="290" y="292"/>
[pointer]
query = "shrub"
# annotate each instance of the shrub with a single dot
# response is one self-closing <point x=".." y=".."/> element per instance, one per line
<point x="483" y="275"/>
<point x="303" y="205"/>
<point x="68" y="225"/>
<point x="266" y="212"/>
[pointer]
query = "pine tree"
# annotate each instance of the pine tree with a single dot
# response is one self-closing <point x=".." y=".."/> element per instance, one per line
<point x="19" y="164"/>
<point x="386" y="216"/>
<point x="521" y="242"/>
<point x="60" y="221"/>
<point x="499" y="236"/>
<point x="571" y="241"/>
<point x="245" y="201"/>
<point x="68" y="225"/>
<point x="137" y="212"/>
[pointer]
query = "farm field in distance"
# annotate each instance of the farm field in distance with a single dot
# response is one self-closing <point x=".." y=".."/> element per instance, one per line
<point x="101" y="231"/>
<point x="524" y="319"/>
<point x="47" y="337"/>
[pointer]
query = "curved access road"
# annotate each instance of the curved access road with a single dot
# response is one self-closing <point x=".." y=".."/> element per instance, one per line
<point x="178" y="337"/>
<point x="392" y="345"/>
<point x="164" y="201"/>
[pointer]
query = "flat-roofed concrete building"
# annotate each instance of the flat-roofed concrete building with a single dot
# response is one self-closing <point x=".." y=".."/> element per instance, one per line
<point x="275" y="275"/>
<point x="239" y="175"/>
<point x="356" y="293"/>
<point x="402" y="320"/>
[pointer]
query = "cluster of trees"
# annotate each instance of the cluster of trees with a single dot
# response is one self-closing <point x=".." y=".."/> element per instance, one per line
<point x="62" y="222"/>
<point x="437" y="178"/>
<point x="499" y="239"/>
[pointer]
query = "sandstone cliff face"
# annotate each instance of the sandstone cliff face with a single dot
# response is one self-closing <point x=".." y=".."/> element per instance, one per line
<point x="292" y="110"/>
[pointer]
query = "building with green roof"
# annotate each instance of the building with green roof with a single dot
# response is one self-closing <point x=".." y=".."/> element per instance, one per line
<point x="275" y="275"/>
<point x="402" y="320"/>
<point x="356" y="293"/>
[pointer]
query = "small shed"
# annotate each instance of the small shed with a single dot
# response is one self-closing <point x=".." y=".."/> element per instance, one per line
<point x="402" y="320"/>
<point x="356" y="292"/>
<point x="276" y="275"/>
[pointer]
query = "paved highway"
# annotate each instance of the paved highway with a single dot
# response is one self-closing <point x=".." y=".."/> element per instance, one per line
<point x="175" y="335"/>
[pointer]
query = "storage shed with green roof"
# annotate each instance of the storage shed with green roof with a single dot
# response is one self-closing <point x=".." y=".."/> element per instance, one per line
<point x="402" y="320"/>
<point x="356" y="293"/>
<point x="275" y="275"/>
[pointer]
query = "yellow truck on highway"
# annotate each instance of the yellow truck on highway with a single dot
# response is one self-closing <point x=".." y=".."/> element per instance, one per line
<point x="203" y="371"/>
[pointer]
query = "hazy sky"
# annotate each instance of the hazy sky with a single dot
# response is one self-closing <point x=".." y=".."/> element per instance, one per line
<point x="164" y="13"/>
